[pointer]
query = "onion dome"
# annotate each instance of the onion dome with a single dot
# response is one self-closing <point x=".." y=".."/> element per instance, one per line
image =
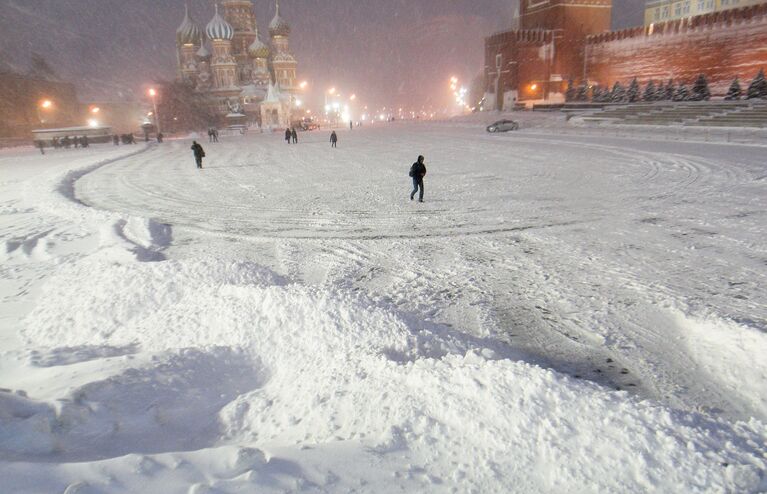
<point x="218" y="28"/>
<point x="203" y="52"/>
<point x="279" y="26"/>
<point x="188" y="33"/>
<point x="258" y="49"/>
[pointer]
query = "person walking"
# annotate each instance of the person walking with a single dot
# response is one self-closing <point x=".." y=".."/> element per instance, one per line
<point x="333" y="139"/>
<point x="417" y="172"/>
<point x="288" y="135"/>
<point x="215" y="135"/>
<point x="294" y="135"/>
<point x="199" y="154"/>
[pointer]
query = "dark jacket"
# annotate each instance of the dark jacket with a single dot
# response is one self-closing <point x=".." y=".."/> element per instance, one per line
<point x="198" y="151"/>
<point x="288" y="134"/>
<point x="418" y="170"/>
<point x="333" y="137"/>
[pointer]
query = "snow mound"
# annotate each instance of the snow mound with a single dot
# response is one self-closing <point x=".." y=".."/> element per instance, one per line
<point x="245" y="357"/>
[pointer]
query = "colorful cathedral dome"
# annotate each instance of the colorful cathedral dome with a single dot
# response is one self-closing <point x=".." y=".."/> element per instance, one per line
<point x="218" y="28"/>
<point x="258" y="49"/>
<point x="203" y="53"/>
<point x="279" y="26"/>
<point x="188" y="33"/>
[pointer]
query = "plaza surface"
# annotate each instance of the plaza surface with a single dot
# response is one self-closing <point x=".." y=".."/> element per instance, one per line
<point x="564" y="312"/>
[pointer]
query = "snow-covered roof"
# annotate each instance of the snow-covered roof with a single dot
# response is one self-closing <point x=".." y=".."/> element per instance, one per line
<point x="279" y="26"/>
<point x="252" y="91"/>
<point x="258" y="49"/>
<point x="188" y="32"/>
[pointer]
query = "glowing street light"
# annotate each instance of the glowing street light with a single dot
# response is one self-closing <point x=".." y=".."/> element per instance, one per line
<point x="353" y="97"/>
<point x="332" y="91"/>
<point x="46" y="104"/>
<point x="93" y="123"/>
<point x="153" y="95"/>
<point x="533" y="87"/>
<point x="95" y="110"/>
<point x="303" y="84"/>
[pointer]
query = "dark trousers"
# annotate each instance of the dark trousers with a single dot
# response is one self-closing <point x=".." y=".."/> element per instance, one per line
<point x="333" y="143"/>
<point x="198" y="159"/>
<point x="417" y="184"/>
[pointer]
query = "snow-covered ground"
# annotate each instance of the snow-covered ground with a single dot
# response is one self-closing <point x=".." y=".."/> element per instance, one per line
<point x="563" y="314"/>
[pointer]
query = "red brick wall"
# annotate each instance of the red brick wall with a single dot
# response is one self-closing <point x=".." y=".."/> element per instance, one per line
<point x="524" y="61"/>
<point x="721" y="45"/>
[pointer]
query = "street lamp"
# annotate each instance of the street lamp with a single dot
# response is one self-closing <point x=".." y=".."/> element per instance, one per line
<point x="153" y="95"/>
<point x="46" y="105"/>
<point x="303" y="84"/>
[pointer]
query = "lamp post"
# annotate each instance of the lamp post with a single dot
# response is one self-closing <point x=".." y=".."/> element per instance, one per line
<point x="45" y="105"/>
<point x="153" y="95"/>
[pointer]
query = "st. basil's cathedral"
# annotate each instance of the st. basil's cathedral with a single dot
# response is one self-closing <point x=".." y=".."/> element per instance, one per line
<point x="238" y="72"/>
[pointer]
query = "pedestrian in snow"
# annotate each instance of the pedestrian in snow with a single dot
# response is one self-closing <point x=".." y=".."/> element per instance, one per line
<point x="159" y="137"/>
<point x="333" y="138"/>
<point x="294" y="135"/>
<point x="417" y="172"/>
<point x="199" y="154"/>
<point x="288" y="135"/>
<point x="116" y="140"/>
<point x="210" y="135"/>
<point x="215" y="135"/>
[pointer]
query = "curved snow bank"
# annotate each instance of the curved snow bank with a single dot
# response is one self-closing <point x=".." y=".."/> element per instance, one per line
<point x="334" y="371"/>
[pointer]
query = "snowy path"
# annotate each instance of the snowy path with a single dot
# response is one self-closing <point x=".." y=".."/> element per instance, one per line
<point x="604" y="260"/>
<point x="286" y="320"/>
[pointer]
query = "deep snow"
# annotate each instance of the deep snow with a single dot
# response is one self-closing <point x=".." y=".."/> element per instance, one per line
<point x="285" y="319"/>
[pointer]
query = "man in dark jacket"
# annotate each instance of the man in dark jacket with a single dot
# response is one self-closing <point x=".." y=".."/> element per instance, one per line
<point x="294" y="135"/>
<point x="417" y="172"/>
<point x="199" y="154"/>
<point x="333" y="138"/>
<point x="288" y="135"/>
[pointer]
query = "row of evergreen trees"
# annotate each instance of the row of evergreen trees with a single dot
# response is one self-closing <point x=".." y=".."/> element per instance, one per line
<point x="670" y="91"/>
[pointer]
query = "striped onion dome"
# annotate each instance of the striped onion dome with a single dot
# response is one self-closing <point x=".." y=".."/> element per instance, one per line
<point x="258" y="49"/>
<point x="188" y="33"/>
<point x="218" y="28"/>
<point x="279" y="26"/>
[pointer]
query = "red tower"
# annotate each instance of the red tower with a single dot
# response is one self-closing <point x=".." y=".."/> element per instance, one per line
<point x="535" y="61"/>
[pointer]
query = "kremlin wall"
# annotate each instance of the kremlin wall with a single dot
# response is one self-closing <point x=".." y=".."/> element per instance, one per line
<point x="570" y="39"/>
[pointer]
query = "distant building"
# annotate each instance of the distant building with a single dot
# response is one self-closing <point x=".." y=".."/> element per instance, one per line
<point x="561" y="40"/>
<point x="230" y="64"/>
<point x="669" y="10"/>
<point x="28" y="103"/>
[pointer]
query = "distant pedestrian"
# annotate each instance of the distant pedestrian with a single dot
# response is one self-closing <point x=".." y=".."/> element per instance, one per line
<point x="288" y="135"/>
<point x="84" y="142"/>
<point x="417" y="172"/>
<point x="351" y="125"/>
<point x="215" y="135"/>
<point x="116" y="140"/>
<point x="41" y="146"/>
<point x="159" y="137"/>
<point x="294" y="135"/>
<point x="210" y="135"/>
<point x="199" y="154"/>
<point x="333" y="139"/>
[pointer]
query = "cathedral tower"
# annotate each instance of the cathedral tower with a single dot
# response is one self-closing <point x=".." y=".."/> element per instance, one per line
<point x="283" y="62"/>
<point x="223" y="65"/>
<point x="188" y="41"/>
<point x="242" y="17"/>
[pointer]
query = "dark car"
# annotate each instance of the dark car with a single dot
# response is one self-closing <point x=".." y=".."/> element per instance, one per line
<point x="503" y="126"/>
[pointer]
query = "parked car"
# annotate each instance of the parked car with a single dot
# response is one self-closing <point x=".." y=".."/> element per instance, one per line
<point x="503" y="126"/>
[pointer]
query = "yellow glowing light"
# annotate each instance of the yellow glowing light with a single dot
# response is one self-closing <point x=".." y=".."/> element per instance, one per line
<point x="152" y="92"/>
<point x="95" y="110"/>
<point x="332" y="90"/>
<point x="93" y="122"/>
<point x="303" y="84"/>
<point x="46" y="104"/>
<point x="353" y="97"/>
<point x="533" y="87"/>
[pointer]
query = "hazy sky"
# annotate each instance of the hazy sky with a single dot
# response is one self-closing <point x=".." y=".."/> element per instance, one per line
<point x="394" y="52"/>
